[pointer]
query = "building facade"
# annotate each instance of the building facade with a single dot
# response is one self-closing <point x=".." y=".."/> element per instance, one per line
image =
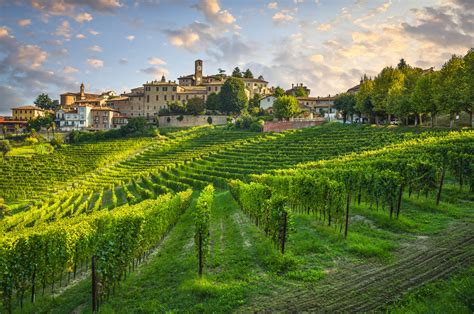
<point x="26" y="113"/>
<point x="102" y="117"/>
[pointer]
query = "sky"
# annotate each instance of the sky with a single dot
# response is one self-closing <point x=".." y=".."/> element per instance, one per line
<point x="51" y="46"/>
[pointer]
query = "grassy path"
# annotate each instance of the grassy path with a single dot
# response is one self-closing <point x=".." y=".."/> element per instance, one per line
<point x="362" y="288"/>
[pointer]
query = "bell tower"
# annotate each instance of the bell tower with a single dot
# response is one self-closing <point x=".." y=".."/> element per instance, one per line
<point x="198" y="72"/>
<point x="82" y="94"/>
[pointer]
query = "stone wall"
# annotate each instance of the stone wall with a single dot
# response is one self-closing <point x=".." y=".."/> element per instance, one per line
<point x="280" y="126"/>
<point x="172" y="121"/>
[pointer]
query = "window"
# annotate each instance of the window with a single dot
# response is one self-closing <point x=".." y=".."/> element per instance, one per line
<point x="216" y="88"/>
<point x="165" y="97"/>
<point x="165" y="89"/>
<point x="179" y="97"/>
<point x="157" y="88"/>
<point x="148" y="98"/>
<point x="174" y="88"/>
<point x="209" y="88"/>
<point x="157" y="98"/>
<point x="172" y="97"/>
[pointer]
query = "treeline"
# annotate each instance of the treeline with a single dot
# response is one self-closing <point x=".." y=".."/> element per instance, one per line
<point x="412" y="95"/>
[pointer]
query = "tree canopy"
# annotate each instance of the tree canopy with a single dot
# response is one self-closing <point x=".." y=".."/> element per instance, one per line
<point x="236" y="72"/>
<point x="232" y="96"/>
<point x="195" y="106"/>
<point x="279" y="92"/>
<point x="213" y="102"/>
<point x="286" y="107"/>
<point x="45" y="102"/>
<point x="248" y="74"/>
<point x="345" y="103"/>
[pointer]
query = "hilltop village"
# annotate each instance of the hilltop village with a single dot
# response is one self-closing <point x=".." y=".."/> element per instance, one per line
<point x="81" y="110"/>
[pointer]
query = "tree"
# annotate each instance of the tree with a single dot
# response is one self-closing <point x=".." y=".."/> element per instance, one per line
<point x="386" y="95"/>
<point x="345" y="103"/>
<point x="423" y="98"/>
<point x="5" y="147"/>
<point x="301" y="92"/>
<point x="248" y="74"/>
<point x="469" y="76"/>
<point x="255" y="101"/>
<point x="195" y="106"/>
<point x="45" y="102"/>
<point x="4" y="131"/>
<point x="286" y="107"/>
<point x="236" y="72"/>
<point x="39" y="122"/>
<point x="402" y="64"/>
<point x="137" y="125"/>
<point x="232" y="96"/>
<point x="406" y="107"/>
<point x="364" y="99"/>
<point x="279" y="92"/>
<point x="177" y="107"/>
<point x="452" y="88"/>
<point x="213" y="102"/>
<point x="4" y="209"/>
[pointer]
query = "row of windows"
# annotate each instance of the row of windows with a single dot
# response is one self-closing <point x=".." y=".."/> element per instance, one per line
<point x="164" y="88"/>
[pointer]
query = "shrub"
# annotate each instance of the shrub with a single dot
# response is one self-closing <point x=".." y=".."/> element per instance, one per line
<point x="180" y="118"/>
<point x="255" y="127"/>
<point x="209" y="120"/>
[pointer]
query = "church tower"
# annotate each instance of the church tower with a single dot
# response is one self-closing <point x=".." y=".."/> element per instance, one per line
<point x="198" y="72"/>
<point x="82" y="94"/>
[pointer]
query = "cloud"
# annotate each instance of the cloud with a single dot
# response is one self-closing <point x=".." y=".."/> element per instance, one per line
<point x="316" y="58"/>
<point x="70" y="69"/>
<point x="95" y="48"/>
<point x="130" y="37"/>
<point x="67" y="7"/>
<point x="123" y="61"/>
<point x="282" y="17"/>
<point x="83" y="17"/>
<point x="64" y="30"/>
<point x="4" y="32"/>
<point x="324" y="27"/>
<point x="93" y="32"/>
<point x="24" y="22"/>
<point x="80" y="36"/>
<point x="156" y="61"/>
<point x="272" y="5"/>
<point x="213" y="12"/>
<point x="184" y="38"/>
<point x="156" y="72"/>
<point x="95" y="63"/>
<point x="22" y="68"/>
<point x="444" y="25"/>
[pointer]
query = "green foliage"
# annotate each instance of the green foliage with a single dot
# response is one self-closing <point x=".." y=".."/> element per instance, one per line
<point x="5" y="147"/>
<point x="236" y="72"/>
<point x="301" y="92"/>
<point x="279" y="92"/>
<point x="232" y="96"/>
<point x="248" y="74"/>
<point x="195" y="106"/>
<point x="202" y="215"/>
<point x="177" y="107"/>
<point x="286" y="107"/>
<point x="209" y="120"/>
<point x="40" y="122"/>
<point x="213" y="102"/>
<point x="345" y="103"/>
<point x="45" y="102"/>
<point x="31" y="140"/>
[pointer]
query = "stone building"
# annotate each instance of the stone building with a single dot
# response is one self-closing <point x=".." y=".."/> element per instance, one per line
<point x="71" y="99"/>
<point x="26" y="113"/>
<point x="102" y="117"/>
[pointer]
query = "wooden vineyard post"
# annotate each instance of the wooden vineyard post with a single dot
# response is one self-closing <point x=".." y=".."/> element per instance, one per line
<point x="94" y="286"/>
<point x="200" y="255"/>
<point x="283" y="236"/>
<point x="438" y="197"/>
<point x="399" y="204"/>
<point x="348" y="201"/>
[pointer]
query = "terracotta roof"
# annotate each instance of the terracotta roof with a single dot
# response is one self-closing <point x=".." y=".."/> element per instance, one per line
<point x="253" y="80"/>
<point x="87" y="95"/>
<point x="103" y="109"/>
<point x="160" y="83"/>
<point x="13" y="122"/>
<point x="120" y="98"/>
<point x="307" y="98"/>
<point x="190" y="76"/>
<point x="28" y="108"/>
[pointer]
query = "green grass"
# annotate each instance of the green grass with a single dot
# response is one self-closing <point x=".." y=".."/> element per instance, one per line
<point x="455" y="295"/>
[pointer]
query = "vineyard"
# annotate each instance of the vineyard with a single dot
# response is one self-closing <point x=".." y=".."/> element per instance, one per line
<point x="209" y="219"/>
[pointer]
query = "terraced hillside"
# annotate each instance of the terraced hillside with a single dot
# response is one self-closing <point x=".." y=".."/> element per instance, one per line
<point x="113" y="202"/>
